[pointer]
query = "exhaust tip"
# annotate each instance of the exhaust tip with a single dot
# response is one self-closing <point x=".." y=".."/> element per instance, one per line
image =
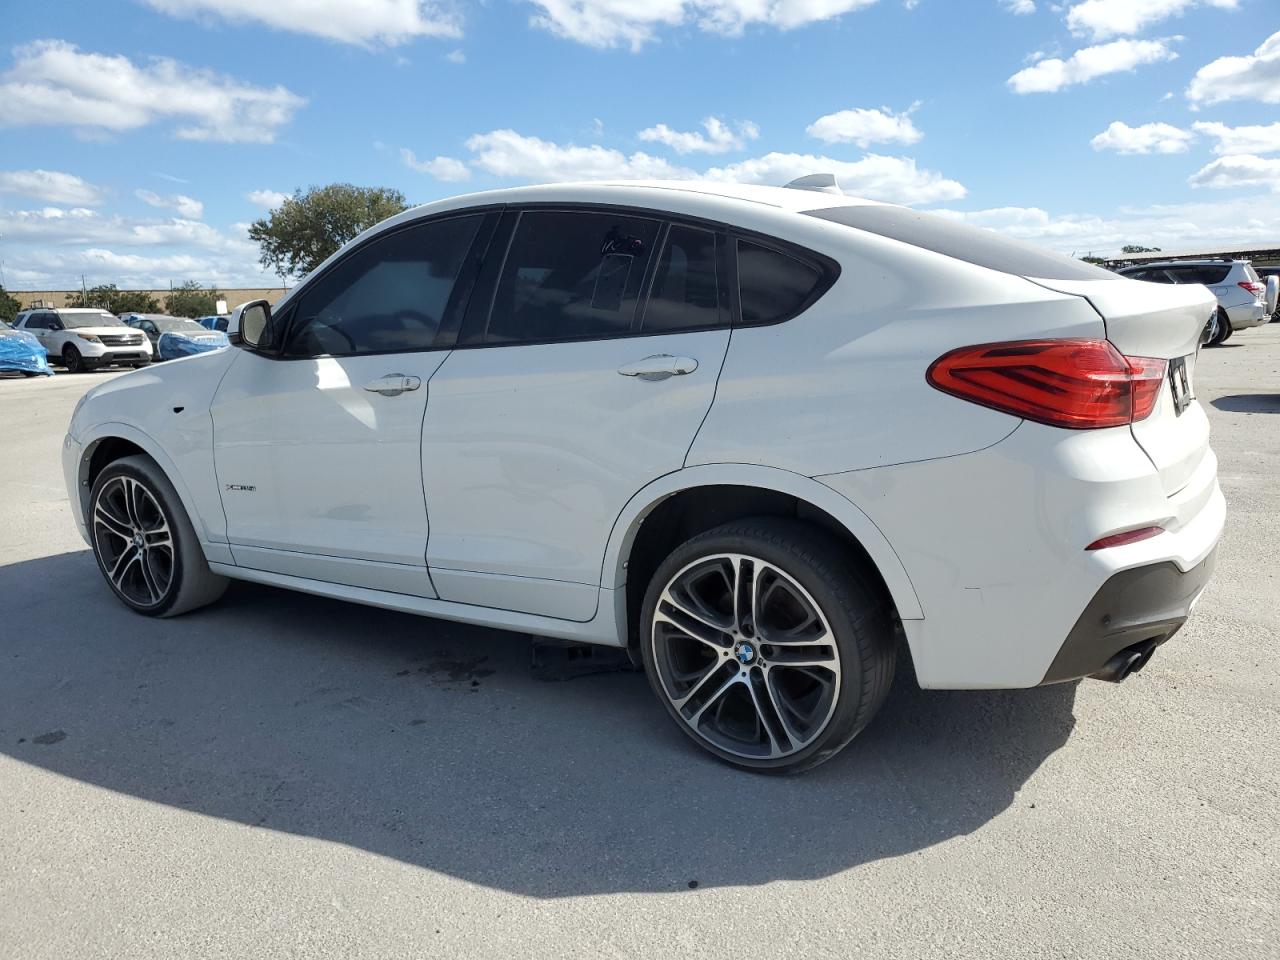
<point x="1127" y="662"/>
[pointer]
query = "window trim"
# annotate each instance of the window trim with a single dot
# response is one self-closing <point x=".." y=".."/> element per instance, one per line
<point x="466" y="271"/>
<point x="485" y="291"/>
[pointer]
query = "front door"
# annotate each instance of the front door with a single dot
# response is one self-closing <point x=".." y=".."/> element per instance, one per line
<point x="569" y="392"/>
<point x="317" y="445"/>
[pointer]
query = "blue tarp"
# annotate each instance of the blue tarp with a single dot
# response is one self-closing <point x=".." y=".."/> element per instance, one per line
<point x="21" y="351"/>
<point x="174" y="345"/>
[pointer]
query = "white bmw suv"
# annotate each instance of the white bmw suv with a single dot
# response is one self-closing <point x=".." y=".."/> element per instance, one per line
<point x="762" y="437"/>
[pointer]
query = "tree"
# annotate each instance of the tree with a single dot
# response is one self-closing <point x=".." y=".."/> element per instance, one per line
<point x="299" y="234"/>
<point x="1135" y="248"/>
<point x="9" y="306"/>
<point x="112" y="300"/>
<point x="1090" y="258"/>
<point x="192" y="300"/>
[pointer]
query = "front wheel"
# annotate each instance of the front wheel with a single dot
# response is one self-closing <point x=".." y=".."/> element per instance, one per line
<point x="72" y="360"/>
<point x="766" y="644"/>
<point x="144" y="543"/>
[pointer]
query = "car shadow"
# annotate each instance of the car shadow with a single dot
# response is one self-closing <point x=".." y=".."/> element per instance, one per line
<point x="1249" y="403"/>
<point x="434" y="744"/>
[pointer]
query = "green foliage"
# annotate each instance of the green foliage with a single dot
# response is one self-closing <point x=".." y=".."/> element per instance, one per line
<point x="192" y="300"/>
<point x="112" y="300"/>
<point x="1135" y="248"/>
<point x="9" y="306"/>
<point x="299" y="234"/>
<point x="1090" y="258"/>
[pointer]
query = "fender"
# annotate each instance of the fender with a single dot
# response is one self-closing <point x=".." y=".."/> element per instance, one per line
<point x="101" y="431"/>
<point x="857" y="523"/>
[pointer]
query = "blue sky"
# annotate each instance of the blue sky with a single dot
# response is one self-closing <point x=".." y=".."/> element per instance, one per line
<point x="141" y="136"/>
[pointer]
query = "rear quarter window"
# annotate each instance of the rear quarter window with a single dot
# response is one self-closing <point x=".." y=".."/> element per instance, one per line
<point x="774" y="286"/>
<point x="984" y="248"/>
<point x="1207" y="274"/>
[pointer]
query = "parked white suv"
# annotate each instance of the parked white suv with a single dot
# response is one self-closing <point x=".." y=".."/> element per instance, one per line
<point x="85" y="338"/>
<point x="1243" y="298"/>
<point x="760" y="436"/>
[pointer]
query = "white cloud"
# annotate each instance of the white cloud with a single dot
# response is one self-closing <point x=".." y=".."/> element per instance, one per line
<point x="1146" y="138"/>
<point x="506" y="153"/>
<point x="1240" y="171"/>
<point x="895" y="179"/>
<point x="442" y="168"/>
<point x="719" y="137"/>
<point x="50" y="185"/>
<point x="1185" y="226"/>
<point x="865" y="126"/>
<point x="348" y="21"/>
<point x="1254" y="77"/>
<point x="615" y="23"/>
<point x="53" y="83"/>
<point x="267" y="199"/>
<point x="80" y="225"/>
<point x="1020" y="7"/>
<point x="182" y="205"/>
<point x="1103" y="19"/>
<point x="1249" y="139"/>
<point x="1051" y="74"/>
<point x="456" y="56"/>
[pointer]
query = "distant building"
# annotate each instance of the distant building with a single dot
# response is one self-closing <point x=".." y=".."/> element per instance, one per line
<point x="58" y="298"/>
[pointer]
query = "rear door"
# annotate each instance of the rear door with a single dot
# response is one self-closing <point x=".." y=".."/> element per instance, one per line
<point x="583" y="373"/>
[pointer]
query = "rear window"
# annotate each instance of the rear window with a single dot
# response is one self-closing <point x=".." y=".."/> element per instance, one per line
<point x="774" y="286"/>
<point x="1200" y="273"/>
<point x="985" y="248"/>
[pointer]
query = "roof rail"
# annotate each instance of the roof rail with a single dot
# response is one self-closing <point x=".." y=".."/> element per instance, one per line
<point x="821" y="182"/>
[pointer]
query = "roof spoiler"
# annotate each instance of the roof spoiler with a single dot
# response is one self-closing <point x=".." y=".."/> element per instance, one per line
<point x="821" y="182"/>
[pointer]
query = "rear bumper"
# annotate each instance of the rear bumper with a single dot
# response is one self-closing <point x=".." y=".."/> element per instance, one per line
<point x="994" y="543"/>
<point x="1140" y="607"/>
<point x="1246" y="315"/>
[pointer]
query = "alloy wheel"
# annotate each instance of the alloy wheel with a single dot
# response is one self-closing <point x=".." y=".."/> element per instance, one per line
<point x="745" y="656"/>
<point x="133" y="541"/>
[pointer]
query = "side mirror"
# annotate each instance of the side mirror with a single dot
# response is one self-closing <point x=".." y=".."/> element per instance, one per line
<point x="249" y="323"/>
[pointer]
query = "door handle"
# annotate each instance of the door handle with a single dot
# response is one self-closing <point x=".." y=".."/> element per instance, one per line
<point x="659" y="367"/>
<point x="393" y="384"/>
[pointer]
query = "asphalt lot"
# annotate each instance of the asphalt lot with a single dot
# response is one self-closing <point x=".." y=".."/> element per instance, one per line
<point x="287" y="776"/>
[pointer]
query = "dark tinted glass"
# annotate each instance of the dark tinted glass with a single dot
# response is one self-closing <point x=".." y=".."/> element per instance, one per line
<point x="985" y="248"/>
<point x="570" y="276"/>
<point x="1200" y="273"/>
<point x="772" y="285"/>
<point x="686" y="292"/>
<point x="389" y="295"/>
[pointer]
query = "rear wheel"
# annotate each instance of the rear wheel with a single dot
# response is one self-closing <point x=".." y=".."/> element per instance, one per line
<point x="72" y="360"/>
<point x="765" y="645"/>
<point x="1223" y="329"/>
<point x="144" y="542"/>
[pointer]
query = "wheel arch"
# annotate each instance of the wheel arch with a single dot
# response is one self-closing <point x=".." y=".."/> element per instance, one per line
<point x="107" y="442"/>
<point x="734" y="491"/>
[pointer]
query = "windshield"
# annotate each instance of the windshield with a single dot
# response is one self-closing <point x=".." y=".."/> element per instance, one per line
<point x="73" y="321"/>
<point x="177" y="325"/>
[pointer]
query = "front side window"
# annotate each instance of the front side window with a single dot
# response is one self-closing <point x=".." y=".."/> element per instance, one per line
<point x="570" y="276"/>
<point x="686" y="289"/>
<point x="389" y="295"/>
<point x="773" y="286"/>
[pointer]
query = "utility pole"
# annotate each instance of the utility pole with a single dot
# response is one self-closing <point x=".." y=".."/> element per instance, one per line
<point x="84" y="294"/>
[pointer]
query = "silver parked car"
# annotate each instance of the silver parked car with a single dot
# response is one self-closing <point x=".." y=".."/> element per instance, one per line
<point x="1243" y="298"/>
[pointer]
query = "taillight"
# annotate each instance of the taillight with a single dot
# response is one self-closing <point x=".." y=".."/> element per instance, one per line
<point x="1255" y="289"/>
<point x="1078" y="384"/>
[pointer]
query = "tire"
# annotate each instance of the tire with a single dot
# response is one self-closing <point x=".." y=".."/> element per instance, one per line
<point x="829" y="667"/>
<point x="132" y="503"/>
<point x="72" y="360"/>
<point x="1223" y="332"/>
